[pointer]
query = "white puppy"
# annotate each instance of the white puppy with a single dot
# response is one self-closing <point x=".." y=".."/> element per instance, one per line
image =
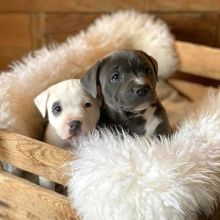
<point x="71" y="113"/>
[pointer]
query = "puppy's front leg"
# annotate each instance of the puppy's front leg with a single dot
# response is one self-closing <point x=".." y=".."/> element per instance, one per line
<point x="46" y="183"/>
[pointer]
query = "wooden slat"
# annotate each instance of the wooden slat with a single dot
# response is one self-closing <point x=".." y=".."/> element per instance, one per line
<point x="200" y="28"/>
<point x="186" y="5"/>
<point x="192" y="27"/>
<point x="34" y="156"/>
<point x="58" y="26"/>
<point x="199" y="60"/>
<point x="9" y="211"/>
<point x="68" y="22"/>
<point x="70" y="5"/>
<point x="103" y="5"/>
<point x="177" y="110"/>
<point x="8" y="55"/>
<point x="14" y="30"/>
<point x="218" y="34"/>
<point x="22" y="199"/>
<point x="57" y="37"/>
<point x="37" y="30"/>
<point x="14" y="38"/>
<point x="191" y="90"/>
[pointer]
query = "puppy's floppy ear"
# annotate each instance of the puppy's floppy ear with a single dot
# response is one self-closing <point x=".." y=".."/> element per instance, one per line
<point x="90" y="79"/>
<point x="41" y="102"/>
<point x="154" y="64"/>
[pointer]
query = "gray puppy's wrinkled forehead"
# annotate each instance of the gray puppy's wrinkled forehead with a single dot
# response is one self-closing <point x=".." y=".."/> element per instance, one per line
<point x="128" y="55"/>
<point x="134" y="59"/>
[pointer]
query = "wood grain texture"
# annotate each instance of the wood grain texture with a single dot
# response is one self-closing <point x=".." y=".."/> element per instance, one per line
<point x="200" y="28"/>
<point x="37" y="30"/>
<point x="191" y="90"/>
<point x="186" y="5"/>
<point x="59" y="26"/>
<point x="193" y="27"/>
<point x="218" y="33"/>
<point x="68" y="22"/>
<point x="14" y="30"/>
<point x="9" y="211"/>
<point x="14" y="37"/>
<point x="9" y="55"/>
<point x="103" y="5"/>
<point x="57" y="37"/>
<point x="34" y="156"/>
<point x="71" y="5"/>
<point x="22" y="32"/>
<point x="21" y="199"/>
<point x="199" y="60"/>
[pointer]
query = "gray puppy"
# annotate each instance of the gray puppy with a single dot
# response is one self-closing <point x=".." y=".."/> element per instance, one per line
<point x="126" y="80"/>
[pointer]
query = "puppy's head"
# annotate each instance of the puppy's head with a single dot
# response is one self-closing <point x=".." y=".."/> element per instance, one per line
<point x="71" y="111"/>
<point x="127" y="79"/>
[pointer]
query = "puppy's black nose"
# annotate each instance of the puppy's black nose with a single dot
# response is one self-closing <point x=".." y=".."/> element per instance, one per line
<point x="140" y="90"/>
<point x="75" y="127"/>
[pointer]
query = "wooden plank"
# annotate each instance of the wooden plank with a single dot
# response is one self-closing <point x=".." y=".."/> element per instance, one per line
<point x="68" y="22"/>
<point x="218" y="33"/>
<point x="8" y="55"/>
<point x="70" y="5"/>
<point x="177" y="110"/>
<point x="103" y="5"/>
<point x="14" y="30"/>
<point x="199" y="28"/>
<point x="193" y="27"/>
<point x="191" y="90"/>
<point x="186" y="5"/>
<point x="61" y="25"/>
<point x="9" y="211"/>
<point x="34" y="156"/>
<point x="199" y="60"/>
<point x="57" y="37"/>
<point x="14" y="38"/>
<point x="22" y="199"/>
<point x="37" y="30"/>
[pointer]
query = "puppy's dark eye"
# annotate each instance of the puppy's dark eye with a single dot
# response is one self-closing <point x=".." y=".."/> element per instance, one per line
<point x="116" y="77"/>
<point x="57" y="109"/>
<point x="87" y="105"/>
<point x="147" y="70"/>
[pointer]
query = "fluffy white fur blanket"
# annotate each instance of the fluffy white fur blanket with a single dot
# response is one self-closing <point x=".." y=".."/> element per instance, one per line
<point x="26" y="79"/>
<point x="140" y="178"/>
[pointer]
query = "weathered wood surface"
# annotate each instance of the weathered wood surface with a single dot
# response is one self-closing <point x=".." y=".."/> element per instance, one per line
<point x="21" y="199"/>
<point x="102" y="5"/>
<point x="34" y="156"/>
<point x="192" y="91"/>
<point x="37" y="30"/>
<point x="14" y="37"/>
<point x="198" y="28"/>
<point x="193" y="27"/>
<point x="199" y="60"/>
<point x="24" y="32"/>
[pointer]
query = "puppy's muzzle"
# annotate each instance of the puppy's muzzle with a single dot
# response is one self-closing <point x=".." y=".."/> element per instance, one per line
<point x="75" y="127"/>
<point x="140" y="90"/>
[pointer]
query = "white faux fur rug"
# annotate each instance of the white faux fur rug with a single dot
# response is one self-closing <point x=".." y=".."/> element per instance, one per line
<point x="140" y="178"/>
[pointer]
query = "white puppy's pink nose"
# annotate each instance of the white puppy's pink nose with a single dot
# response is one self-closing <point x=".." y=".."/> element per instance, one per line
<point x="74" y="127"/>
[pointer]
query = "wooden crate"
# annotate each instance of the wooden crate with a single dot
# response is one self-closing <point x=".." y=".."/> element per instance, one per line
<point x="26" y="25"/>
<point x="21" y="199"/>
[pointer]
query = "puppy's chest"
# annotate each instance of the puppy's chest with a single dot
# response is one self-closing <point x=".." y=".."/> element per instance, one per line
<point x="144" y="123"/>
